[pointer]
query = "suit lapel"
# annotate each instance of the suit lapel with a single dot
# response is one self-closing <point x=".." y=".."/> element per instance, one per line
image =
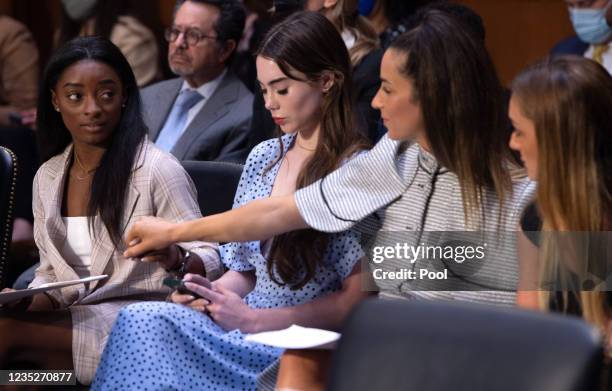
<point x="56" y="229"/>
<point x="160" y="109"/>
<point x="215" y="107"/>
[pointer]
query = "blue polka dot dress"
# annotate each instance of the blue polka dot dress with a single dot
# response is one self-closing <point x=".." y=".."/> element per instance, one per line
<point x="164" y="346"/>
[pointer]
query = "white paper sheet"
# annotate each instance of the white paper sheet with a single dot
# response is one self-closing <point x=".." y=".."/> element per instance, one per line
<point x="7" y="297"/>
<point x="297" y="337"/>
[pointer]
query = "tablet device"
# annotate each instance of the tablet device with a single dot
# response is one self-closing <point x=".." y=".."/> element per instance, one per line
<point x="7" y="297"/>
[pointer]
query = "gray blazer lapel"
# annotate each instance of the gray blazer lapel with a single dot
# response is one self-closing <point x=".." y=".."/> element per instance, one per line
<point x="214" y="108"/>
<point x="159" y="109"/>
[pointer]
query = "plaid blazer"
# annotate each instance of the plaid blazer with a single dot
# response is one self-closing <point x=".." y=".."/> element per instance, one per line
<point x="159" y="186"/>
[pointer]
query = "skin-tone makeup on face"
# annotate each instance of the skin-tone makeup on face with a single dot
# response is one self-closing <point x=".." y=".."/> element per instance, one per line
<point x="396" y="100"/>
<point x="295" y="106"/>
<point x="524" y="138"/>
<point x="89" y="96"/>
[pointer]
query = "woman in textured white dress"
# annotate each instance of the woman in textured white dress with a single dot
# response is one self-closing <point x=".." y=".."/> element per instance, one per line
<point x="100" y="175"/>
<point x="307" y="278"/>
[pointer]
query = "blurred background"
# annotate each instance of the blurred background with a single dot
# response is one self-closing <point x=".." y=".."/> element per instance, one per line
<point x="518" y="31"/>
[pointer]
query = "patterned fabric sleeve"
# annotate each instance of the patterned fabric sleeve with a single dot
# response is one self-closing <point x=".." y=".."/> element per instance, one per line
<point x="344" y="252"/>
<point x="44" y="273"/>
<point x="236" y="255"/>
<point x="354" y="191"/>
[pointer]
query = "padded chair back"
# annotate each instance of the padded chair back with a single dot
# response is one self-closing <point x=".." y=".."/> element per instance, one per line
<point x="8" y="186"/>
<point x="216" y="183"/>
<point x="435" y="346"/>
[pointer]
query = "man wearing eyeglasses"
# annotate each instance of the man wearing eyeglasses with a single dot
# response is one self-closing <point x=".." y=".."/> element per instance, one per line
<point x="205" y="113"/>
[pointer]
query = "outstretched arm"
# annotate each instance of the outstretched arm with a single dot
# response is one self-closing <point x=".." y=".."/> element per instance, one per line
<point x="258" y="220"/>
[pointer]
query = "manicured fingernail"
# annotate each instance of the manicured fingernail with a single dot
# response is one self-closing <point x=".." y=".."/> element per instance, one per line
<point x="133" y="242"/>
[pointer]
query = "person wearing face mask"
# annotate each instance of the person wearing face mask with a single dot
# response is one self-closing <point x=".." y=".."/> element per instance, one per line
<point x="121" y="22"/>
<point x="592" y="21"/>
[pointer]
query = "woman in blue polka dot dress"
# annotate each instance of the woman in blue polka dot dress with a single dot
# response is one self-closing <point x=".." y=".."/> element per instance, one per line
<point x="305" y="277"/>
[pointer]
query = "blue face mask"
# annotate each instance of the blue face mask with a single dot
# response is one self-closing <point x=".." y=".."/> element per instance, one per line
<point x="590" y="24"/>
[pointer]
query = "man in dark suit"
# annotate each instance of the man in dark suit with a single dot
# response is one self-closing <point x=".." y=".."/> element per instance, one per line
<point x="204" y="114"/>
<point x="592" y="20"/>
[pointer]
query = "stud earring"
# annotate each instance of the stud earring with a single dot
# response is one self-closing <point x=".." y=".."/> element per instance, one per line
<point x="123" y="105"/>
<point x="57" y="109"/>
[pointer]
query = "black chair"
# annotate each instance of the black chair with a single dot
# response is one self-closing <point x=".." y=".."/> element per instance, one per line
<point x="8" y="186"/>
<point x="434" y="346"/>
<point x="216" y="183"/>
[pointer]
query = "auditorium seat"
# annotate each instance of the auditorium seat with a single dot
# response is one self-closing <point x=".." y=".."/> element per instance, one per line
<point x="434" y="346"/>
<point x="216" y="183"/>
<point x="8" y="184"/>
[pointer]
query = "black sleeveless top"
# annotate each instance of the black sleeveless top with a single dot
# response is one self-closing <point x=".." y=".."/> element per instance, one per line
<point x="531" y="225"/>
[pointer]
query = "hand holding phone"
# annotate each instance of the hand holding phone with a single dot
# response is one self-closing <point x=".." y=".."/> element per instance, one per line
<point x="179" y="286"/>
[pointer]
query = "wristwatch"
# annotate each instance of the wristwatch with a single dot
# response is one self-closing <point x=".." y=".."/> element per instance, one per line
<point x="180" y="268"/>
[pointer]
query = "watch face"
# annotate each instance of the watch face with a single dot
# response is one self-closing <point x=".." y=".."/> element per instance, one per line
<point x="183" y="268"/>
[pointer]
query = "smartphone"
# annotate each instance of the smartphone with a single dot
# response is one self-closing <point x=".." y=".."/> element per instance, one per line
<point x="180" y="287"/>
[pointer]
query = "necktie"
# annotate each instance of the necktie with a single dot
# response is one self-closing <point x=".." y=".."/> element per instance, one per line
<point x="599" y="51"/>
<point x="173" y="129"/>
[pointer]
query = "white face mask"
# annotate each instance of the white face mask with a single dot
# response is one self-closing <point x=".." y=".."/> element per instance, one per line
<point x="79" y="10"/>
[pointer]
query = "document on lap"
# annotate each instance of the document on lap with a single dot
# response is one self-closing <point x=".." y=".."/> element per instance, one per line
<point x="7" y="297"/>
<point x="297" y="337"/>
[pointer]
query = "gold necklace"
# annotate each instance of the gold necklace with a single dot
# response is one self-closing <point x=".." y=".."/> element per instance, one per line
<point x="89" y="172"/>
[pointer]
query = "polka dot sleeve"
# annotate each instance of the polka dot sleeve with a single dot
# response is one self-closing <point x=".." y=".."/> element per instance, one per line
<point x="237" y="255"/>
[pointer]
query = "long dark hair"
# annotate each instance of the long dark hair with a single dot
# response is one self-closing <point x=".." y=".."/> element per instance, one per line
<point x="462" y="103"/>
<point x="308" y="43"/>
<point x="110" y="182"/>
